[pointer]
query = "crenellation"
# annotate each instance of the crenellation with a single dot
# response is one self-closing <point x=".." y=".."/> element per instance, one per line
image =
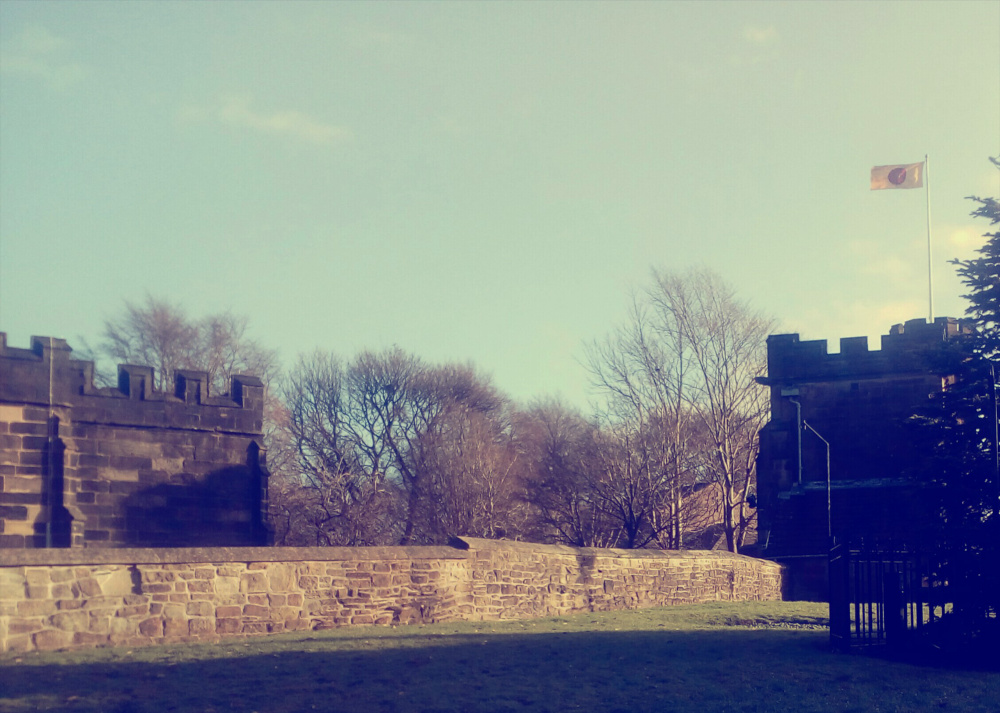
<point x="902" y="350"/>
<point x="27" y="375"/>
<point x="860" y="402"/>
<point x="127" y="465"/>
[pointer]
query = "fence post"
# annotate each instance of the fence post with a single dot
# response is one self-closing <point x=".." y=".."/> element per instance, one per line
<point x="895" y="606"/>
<point x="840" y="602"/>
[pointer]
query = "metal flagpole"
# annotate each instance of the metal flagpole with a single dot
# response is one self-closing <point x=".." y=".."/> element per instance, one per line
<point x="930" y="275"/>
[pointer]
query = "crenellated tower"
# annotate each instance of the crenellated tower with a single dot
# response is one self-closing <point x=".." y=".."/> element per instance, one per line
<point x="858" y="401"/>
<point x="126" y="466"/>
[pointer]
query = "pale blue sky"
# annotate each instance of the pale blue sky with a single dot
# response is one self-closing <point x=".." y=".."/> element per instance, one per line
<point x="485" y="181"/>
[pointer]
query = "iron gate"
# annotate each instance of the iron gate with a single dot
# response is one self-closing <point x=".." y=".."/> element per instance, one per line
<point x="881" y="594"/>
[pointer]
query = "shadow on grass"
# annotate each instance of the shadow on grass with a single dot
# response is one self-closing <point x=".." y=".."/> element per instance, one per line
<point x="735" y="670"/>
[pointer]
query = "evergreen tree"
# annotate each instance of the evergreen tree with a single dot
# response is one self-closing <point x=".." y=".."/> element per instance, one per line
<point x="964" y="471"/>
<point x="982" y="276"/>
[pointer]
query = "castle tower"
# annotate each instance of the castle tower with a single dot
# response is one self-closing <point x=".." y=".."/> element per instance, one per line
<point x="83" y="466"/>
<point x="857" y="401"/>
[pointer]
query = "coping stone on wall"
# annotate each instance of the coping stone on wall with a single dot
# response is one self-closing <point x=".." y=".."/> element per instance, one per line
<point x="459" y="550"/>
<point x="479" y="544"/>
<point x="197" y="555"/>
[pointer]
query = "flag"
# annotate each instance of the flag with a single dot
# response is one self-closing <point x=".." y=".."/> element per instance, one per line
<point x="903" y="175"/>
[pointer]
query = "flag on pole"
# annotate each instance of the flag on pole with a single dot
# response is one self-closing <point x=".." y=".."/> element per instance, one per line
<point x="902" y="175"/>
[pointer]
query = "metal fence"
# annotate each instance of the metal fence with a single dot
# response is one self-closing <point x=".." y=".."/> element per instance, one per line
<point x="882" y="594"/>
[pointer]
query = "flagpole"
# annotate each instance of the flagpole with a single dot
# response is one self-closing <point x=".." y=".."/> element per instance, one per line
<point x="930" y="274"/>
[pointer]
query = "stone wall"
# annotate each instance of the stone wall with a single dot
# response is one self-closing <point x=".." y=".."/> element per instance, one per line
<point x="83" y="466"/>
<point x="80" y="598"/>
<point x="859" y="400"/>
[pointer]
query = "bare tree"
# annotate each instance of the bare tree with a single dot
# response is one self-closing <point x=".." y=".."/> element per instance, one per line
<point x="726" y="341"/>
<point x="458" y="452"/>
<point x="564" y="482"/>
<point x="475" y="472"/>
<point x="678" y="379"/>
<point x="641" y="370"/>
<point x="160" y="334"/>
<point x="156" y="334"/>
<point x="394" y="450"/>
<point x="338" y="492"/>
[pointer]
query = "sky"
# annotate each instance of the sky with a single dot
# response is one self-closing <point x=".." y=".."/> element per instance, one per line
<point x="486" y="182"/>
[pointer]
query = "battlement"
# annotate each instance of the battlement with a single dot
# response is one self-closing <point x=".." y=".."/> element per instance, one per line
<point x="859" y="446"/>
<point x="89" y="466"/>
<point x="903" y="350"/>
<point x="46" y="375"/>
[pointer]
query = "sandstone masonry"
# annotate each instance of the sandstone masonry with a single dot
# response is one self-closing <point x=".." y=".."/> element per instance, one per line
<point x="51" y="599"/>
<point x="83" y="466"/>
<point x="860" y="401"/>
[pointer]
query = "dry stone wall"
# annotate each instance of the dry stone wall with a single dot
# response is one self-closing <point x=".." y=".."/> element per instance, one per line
<point x="52" y="599"/>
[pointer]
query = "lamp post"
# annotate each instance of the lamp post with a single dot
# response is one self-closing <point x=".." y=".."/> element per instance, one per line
<point x="829" y="509"/>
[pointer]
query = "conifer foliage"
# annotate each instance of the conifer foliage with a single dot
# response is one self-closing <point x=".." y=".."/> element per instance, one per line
<point x="982" y="276"/>
<point x="965" y="472"/>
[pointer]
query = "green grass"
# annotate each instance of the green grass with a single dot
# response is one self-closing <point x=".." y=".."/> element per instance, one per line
<point x="745" y="658"/>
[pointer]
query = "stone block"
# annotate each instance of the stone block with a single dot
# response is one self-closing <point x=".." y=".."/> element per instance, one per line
<point x="308" y="582"/>
<point x="280" y="577"/>
<point x="101" y="625"/>
<point x="51" y="639"/>
<point x="158" y="575"/>
<point x="25" y="626"/>
<point x="227" y="626"/>
<point x="37" y="576"/>
<point x="151" y="627"/>
<point x="88" y="639"/>
<point x="175" y="627"/>
<point x="116" y="582"/>
<point x="253" y="582"/>
<point x="13" y="512"/>
<point x="71" y="621"/>
<point x="201" y="626"/>
<point x="13" y="644"/>
<point x="256" y="611"/>
<point x="174" y="611"/>
<point x="200" y="608"/>
<point x="12" y="583"/>
<point x="225" y="585"/>
<point x="88" y="587"/>
<point x="36" y="607"/>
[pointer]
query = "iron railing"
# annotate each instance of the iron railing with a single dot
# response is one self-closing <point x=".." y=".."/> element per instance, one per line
<point x="882" y="594"/>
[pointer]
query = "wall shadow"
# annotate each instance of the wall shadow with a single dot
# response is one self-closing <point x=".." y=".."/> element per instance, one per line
<point x="224" y="508"/>
<point x="739" y="670"/>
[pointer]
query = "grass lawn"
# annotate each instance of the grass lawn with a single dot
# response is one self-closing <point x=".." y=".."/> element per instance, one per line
<point x="746" y="658"/>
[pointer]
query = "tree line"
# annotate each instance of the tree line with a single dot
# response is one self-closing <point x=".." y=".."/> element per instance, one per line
<point x="383" y="447"/>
